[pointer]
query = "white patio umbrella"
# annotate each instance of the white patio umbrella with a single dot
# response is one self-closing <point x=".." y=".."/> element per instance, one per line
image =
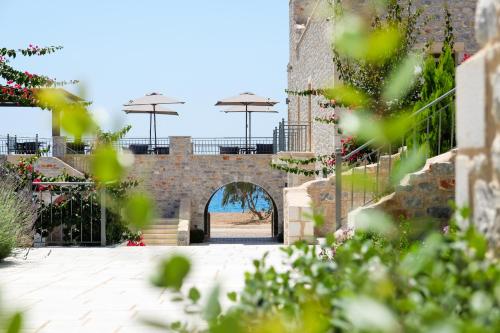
<point x="150" y="104"/>
<point x="248" y="102"/>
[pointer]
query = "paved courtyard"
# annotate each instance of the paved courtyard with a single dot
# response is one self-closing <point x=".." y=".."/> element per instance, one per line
<point x="107" y="289"/>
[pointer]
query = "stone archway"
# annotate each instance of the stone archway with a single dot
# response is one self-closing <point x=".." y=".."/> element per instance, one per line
<point x="276" y="228"/>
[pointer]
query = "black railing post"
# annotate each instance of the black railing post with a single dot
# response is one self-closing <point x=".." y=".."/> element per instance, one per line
<point x="275" y="140"/>
<point x="103" y="218"/>
<point x="282" y="136"/>
<point x="8" y="144"/>
<point x="338" y="187"/>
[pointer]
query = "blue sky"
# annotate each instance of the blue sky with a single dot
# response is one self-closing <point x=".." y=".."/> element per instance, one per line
<point x="198" y="51"/>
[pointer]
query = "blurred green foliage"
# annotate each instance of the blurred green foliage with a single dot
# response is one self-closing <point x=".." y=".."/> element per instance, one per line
<point x="386" y="278"/>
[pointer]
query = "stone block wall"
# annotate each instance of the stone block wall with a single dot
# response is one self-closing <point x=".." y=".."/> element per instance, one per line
<point x="478" y="127"/>
<point x="171" y="178"/>
<point x="423" y="194"/>
<point x="320" y="195"/>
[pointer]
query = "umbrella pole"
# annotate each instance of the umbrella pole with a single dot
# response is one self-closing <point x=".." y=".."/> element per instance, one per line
<point x="246" y="129"/>
<point x="150" y="124"/>
<point x="154" y="116"/>
<point x="250" y="128"/>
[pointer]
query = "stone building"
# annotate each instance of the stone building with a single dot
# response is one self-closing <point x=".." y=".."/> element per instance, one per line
<point x="311" y="66"/>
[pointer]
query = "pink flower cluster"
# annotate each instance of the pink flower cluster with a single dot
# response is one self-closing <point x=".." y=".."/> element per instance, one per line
<point x="466" y="57"/>
<point x="34" y="48"/>
<point x="136" y="243"/>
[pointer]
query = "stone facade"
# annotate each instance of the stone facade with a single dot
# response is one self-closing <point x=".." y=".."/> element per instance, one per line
<point x="478" y="127"/>
<point x="311" y="65"/>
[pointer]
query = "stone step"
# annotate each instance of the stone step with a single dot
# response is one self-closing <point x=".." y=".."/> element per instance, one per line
<point x="161" y="227"/>
<point x="165" y="222"/>
<point x="160" y="236"/>
<point x="159" y="242"/>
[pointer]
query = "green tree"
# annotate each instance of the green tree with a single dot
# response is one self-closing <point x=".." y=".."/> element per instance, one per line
<point x="436" y="123"/>
<point x="247" y="195"/>
<point x="397" y="27"/>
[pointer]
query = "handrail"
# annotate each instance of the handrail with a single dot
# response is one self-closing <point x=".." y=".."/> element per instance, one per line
<point x="431" y="104"/>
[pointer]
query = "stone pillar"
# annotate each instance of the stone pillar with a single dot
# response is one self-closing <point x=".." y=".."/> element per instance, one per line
<point x="58" y="146"/>
<point x="478" y="127"/>
<point x="181" y="145"/>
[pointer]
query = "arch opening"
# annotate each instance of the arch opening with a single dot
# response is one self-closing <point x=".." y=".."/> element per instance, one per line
<point x="241" y="210"/>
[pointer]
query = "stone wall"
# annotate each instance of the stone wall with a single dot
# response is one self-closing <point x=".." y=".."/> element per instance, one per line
<point x="462" y="12"/>
<point x="170" y="178"/>
<point x="311" y="65"/>
<point x="320" y="195"/>
<point x="423" y="194"/>
<point x="478" y="127"/>
<point x="47" y="166"/>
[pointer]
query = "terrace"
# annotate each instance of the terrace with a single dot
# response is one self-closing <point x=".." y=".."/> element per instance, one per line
<point x="286" y="137"/>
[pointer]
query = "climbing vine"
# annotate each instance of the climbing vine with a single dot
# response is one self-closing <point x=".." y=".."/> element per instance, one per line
<point x="21" y="86"/>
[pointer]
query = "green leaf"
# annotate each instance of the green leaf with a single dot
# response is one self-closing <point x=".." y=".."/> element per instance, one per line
<point x="15" y="323"/>
<point x="172" y="272"/>
<point x="402" y="78"/>
<point x="138" y="210"/>
<point x="366" y="314"/>
<point x="194" y="295"/>
<point x="105" y="164"/>
<point x="212" y="309"/>
<point x="233" y="296"/>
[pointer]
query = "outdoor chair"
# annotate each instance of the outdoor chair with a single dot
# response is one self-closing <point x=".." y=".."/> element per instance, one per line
<point x="28" y="148"/>
<point x="265" y="148"/>
<point x="229" y="150"/>
<point x="162" y="150"/>
<point x="139" y="149"/>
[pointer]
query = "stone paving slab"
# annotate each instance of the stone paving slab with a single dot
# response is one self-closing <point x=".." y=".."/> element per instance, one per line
<point x="108" y="290"/>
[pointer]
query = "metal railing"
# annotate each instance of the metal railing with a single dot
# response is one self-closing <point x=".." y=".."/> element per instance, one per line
<point x="217" y="146"/>
<point x="69" y="213"/>
<point x="18" y="145"/>
<point x="432" y="125"/>
<point x="291" y="137"/>
<point x="139" y="146"/>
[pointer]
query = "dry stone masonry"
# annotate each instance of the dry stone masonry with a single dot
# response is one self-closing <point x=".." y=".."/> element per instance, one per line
<point x="478" y="127"/>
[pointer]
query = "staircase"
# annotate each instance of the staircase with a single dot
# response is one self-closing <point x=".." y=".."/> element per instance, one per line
<point x="161" y="232"/>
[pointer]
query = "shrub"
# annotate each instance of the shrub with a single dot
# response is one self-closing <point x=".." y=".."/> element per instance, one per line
<point x="196" y="236"/>
<point x="384" y="280"/>
<point x="17" y="214"/>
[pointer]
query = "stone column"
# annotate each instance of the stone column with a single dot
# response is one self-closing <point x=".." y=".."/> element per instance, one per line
<point x="478" y="127"/>
<point x="58" y="146"/>
<point x="181" y="145"/>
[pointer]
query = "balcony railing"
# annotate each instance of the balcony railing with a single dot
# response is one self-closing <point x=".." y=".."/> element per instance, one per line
<point x="292" y="137"/>
<point x="17" y="145"/>
<point x="216" y="146"/>
<point x="138" y="146"/>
